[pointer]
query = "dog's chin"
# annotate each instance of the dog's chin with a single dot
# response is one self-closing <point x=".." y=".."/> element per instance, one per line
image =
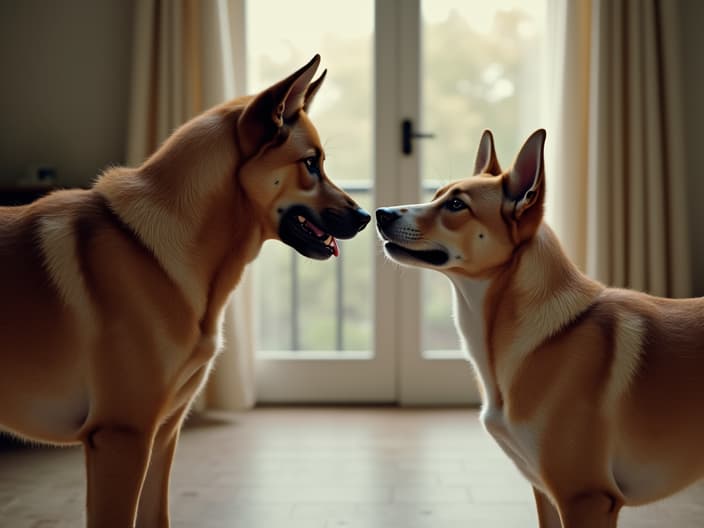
<point x="301" y="229"/>
<point x="416" y="257"/>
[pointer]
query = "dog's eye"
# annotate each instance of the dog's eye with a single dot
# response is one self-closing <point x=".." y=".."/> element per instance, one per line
<point x="455" y="205"/>
<point x="312" y="164"/>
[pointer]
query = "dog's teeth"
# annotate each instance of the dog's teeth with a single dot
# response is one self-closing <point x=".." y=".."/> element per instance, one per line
<point x="301" y="219"/>
<point x="328" y="240"/>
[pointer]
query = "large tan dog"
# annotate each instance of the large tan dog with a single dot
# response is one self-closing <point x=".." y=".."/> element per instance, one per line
<point x="596" y="394"/>
<point x="112" y="298"/>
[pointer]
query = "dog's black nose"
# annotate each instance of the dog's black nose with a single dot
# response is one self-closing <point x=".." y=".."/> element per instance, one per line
<point x="363" y="218"/>
<point x="385" y="217"/>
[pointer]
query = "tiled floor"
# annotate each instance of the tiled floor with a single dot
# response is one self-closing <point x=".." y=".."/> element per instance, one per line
<point x="319" y="468"/>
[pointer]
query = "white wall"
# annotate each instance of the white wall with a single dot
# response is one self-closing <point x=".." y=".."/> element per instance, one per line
<point x="64" y="70"/>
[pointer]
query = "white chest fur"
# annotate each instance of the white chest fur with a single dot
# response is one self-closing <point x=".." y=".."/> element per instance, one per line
<point x="468" y="311"/>
<point x="519" y="442"/>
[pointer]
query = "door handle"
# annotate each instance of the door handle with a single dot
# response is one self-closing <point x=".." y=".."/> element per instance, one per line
<point x="408" y="135"/>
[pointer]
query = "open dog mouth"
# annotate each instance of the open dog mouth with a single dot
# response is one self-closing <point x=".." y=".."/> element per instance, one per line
<point x="303" y="234"/>
<point x="327" y="239"/>
<point x="434" y="257"/>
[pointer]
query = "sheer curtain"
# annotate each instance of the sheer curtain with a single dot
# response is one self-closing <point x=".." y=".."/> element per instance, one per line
<point x="188" y="55"/>
<point x="616" y="188"/>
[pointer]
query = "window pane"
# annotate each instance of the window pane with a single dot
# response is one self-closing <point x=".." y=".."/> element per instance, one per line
<point x="272" y="271"/>
<point x="480" y="68"/>
<point x="306" y="305"/>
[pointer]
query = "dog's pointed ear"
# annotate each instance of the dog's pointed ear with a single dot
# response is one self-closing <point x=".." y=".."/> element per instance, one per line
<point x="524" y="183"/>
<point x="486" y="161"/>
<point x="266" y="112"/>
<point x="298" y="94"/>
<point x="312" y="90"/>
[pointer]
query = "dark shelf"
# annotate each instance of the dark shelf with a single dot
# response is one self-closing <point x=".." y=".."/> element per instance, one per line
<point x="22" y="195"/>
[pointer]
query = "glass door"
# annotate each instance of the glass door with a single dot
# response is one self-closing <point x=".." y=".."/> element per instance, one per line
<point x="315" y="320"/>
<point x="359" y="328"/>
<point x="477" y="65"/>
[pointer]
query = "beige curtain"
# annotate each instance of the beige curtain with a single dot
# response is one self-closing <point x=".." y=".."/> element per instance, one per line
<point x="616" y="174"/>
<point x="187" y="57"/>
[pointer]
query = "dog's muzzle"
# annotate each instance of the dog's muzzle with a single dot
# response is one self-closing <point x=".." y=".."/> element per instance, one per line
<point x="315" y="235"/>
<point x="346" y="223"/>
<point x="386" y="217"/>
<point x="385" y="220"/>
<point x="396" y="241"/>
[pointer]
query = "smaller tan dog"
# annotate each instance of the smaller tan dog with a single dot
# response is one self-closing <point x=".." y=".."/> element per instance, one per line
<point x="596" y="394"/>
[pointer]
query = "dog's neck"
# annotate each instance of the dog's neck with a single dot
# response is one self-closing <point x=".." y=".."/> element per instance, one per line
<point x="504" y="318"/>
<point x="469" y="313"/>
<point x="185" y="206"/>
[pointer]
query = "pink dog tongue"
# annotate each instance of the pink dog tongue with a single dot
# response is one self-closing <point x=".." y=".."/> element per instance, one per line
<point x="315" y="229"/>
<point x="335" y="249"/>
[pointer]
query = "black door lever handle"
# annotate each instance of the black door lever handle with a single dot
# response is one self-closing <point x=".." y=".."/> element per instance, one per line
<point x="408" y="135"/>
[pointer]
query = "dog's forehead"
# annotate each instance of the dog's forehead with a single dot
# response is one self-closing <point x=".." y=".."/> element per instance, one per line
<point x="304" y="136"/>
<point x="476" y="188"/>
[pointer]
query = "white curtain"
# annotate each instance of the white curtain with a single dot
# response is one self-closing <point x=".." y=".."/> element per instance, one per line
<point x="616" y="174"/>
<point x="188" y="55"/>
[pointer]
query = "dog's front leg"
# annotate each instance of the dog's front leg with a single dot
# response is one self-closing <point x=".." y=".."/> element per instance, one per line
<point x="153" y="509"/>
<point x="116" y="463"/>
<point x="590" y="510"/>
<point x="548" y="516"/>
